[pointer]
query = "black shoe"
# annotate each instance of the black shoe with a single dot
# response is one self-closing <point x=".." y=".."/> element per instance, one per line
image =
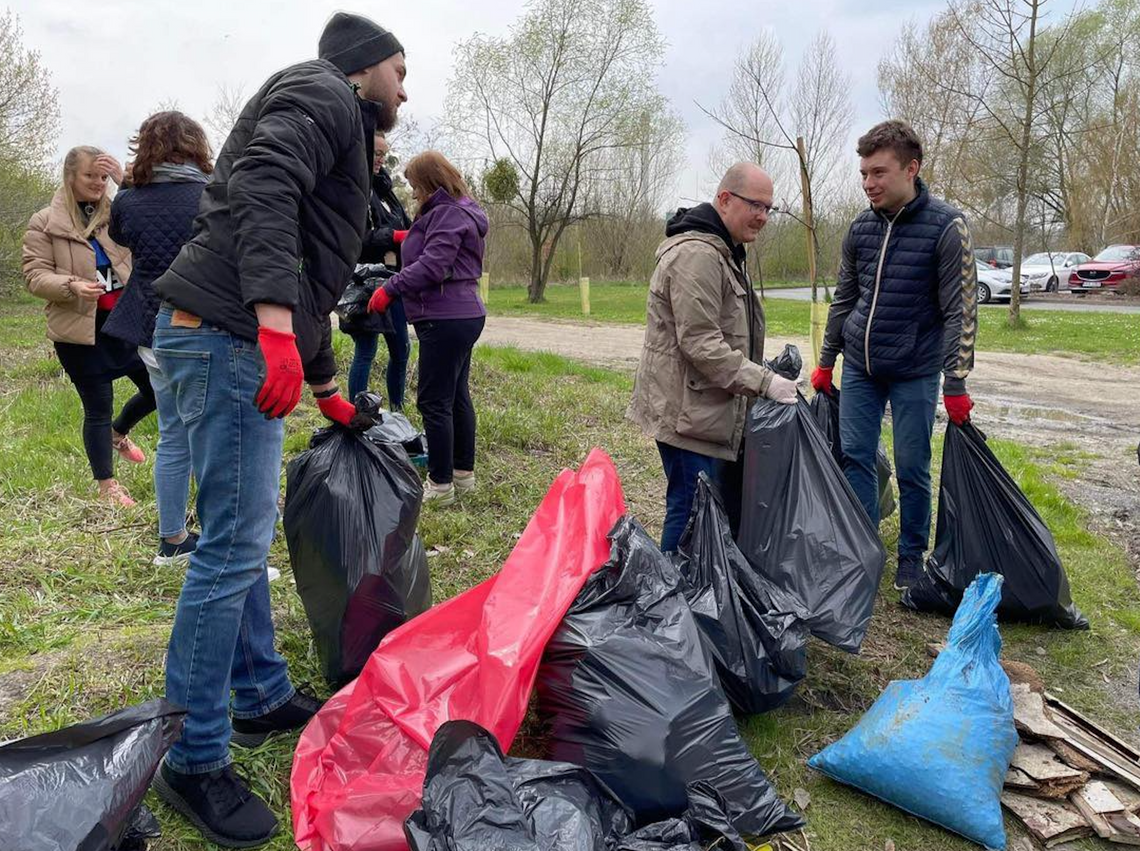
<point x="220" y="804"/>
<point x="907" y="574"/>
<point x="176" y="555"/>
<point x="293" y="715"/>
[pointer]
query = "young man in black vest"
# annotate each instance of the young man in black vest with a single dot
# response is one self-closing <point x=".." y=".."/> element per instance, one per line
<point x="905" y="311"/>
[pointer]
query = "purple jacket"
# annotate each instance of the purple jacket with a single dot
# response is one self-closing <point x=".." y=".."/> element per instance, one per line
<point x="443" y="259"/>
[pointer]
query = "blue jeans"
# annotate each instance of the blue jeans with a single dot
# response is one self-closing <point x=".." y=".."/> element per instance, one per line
<point x="682" y="466"/>
<point x="399" y="348"/>
<point x="171" y="460"/>
<point x="861" y="407"/>
<point x="223" y="631"/>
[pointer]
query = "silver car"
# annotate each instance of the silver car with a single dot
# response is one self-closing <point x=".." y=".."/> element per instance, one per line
<point x="1045" y="270"/>
<point x="996" y="284"/>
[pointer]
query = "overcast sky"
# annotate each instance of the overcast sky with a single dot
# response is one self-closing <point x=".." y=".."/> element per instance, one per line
<point x="115" y="61"/>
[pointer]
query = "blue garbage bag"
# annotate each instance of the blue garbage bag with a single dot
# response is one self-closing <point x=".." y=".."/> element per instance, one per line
<point x="940" y="747"/>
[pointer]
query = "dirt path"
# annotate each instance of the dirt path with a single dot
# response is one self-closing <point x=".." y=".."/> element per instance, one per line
<point x="1041" y="399"/>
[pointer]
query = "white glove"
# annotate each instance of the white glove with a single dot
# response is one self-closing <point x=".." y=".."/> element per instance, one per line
<point x="781" y="390"/>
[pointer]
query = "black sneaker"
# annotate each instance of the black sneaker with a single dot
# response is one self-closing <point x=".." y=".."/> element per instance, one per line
<point x="293" y="715"/>
<point x="907" y="573"/>
<point x="220" y="804"/>
<point x="176" y="555"/>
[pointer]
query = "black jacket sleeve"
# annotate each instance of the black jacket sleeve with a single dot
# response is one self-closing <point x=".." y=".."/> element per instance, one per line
<point x="958" y="301"/>
<point x="321" y="367"/>
<point x="846" y="296"/>
<point x="301" y="131"/>
<point x="377" y="243"/>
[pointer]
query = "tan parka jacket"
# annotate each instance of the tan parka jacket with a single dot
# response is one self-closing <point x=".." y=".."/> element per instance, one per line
<point x="699" y="366"/>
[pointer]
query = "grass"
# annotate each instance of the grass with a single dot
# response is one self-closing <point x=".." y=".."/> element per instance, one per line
<point x="84" y="616"/>
<point x="1113" y="337"/>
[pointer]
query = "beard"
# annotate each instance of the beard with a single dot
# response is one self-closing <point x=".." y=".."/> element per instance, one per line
<point x="386" y="119"/>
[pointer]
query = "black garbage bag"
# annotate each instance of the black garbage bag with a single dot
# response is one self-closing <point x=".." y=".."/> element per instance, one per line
<point x="986" y="525"/>
<point x="474" y="798"/>
<point x="351" y="507"/>
<point x="80" y="788"/>
<point x="352" y="309"/>
<point x="141" y="828"/>
<point x="632" y="694"/>
<point x="788" y="363"/>
<point x="760" y="652"/>
<point x="705" y="825"/>
<point x="394" y="427"/>
<point x="825" y="409"/>
<point x="802" y="527"/>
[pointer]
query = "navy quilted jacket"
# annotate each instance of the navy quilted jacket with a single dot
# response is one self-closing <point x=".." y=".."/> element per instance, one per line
<point x="905" y="303"/>
<point x="153" y="221"/>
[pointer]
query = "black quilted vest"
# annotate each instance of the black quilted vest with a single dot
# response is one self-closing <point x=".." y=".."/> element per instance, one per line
<point x="896" y="329"/>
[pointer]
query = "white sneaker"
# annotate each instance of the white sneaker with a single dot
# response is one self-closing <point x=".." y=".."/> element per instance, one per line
<point x="464" y="481"/>
<point x="273" y="573"/>
<point x="439" y="494"/>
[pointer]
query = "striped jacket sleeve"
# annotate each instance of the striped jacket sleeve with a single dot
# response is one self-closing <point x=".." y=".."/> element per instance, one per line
<point x="958" y="299"/>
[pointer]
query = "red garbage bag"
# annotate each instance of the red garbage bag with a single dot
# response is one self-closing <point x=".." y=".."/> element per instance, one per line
<point x="359" y="768"/>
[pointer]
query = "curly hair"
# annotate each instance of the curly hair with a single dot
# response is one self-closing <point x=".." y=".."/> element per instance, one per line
<point x="169" y="137"/>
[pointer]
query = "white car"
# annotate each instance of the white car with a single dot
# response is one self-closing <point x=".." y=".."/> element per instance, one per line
<point x="1045" y="270"/>
<point x="996" y="284"/>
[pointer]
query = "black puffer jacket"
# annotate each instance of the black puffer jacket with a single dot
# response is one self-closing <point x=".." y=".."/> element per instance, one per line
<point x="283" y="218"/>
<point x="385" y="216"/>
<point x="153" y="221"/>
<point x="906" y="300"/>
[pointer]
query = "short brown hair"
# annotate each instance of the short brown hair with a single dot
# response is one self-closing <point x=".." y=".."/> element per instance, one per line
<point x="430" y="171"/>
<point x="168" y="137"/>
<point x="894" y="135"/>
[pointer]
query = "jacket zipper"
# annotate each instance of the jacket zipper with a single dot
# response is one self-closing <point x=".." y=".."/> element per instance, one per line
<point x="875" y="297"/>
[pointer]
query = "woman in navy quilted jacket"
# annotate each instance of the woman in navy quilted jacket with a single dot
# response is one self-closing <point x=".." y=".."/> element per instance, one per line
<point x="154" y="217"/>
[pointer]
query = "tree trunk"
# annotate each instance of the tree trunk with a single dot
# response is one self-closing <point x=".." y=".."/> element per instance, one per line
<point x="536" y="289"/>
<point x="1023" y="168"/>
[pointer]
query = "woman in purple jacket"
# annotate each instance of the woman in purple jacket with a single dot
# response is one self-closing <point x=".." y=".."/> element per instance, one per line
<point x="439" y="283"/>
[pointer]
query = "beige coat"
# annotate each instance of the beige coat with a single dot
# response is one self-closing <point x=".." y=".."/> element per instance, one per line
<point x="54" y="255"/>
<point x="695" y="377"/>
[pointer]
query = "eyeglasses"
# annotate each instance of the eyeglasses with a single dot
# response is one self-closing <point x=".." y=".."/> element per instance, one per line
<point x="755" y="206"/>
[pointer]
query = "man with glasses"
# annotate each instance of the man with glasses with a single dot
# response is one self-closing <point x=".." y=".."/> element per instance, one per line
<point x="905" y="311"/>
<point x="703" y="357"/>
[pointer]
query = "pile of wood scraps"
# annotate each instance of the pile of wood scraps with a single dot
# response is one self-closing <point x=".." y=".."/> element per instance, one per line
<point x="1069" y="778"/>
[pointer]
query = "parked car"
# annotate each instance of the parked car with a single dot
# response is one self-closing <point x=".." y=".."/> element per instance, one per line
<point x="1108" y="270"/>
<point x="996" y="284"/>
<point x="1043" y="271"/>
<point x="995" y="256"/>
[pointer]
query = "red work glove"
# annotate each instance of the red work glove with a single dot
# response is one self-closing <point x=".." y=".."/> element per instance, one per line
<point x="379" y="301"/>
<point x="821" y="379"/>
<point x="337" y="408"/>
<point x="399" y="236"/>
<point x="958" y="408"/>
<point x="280" y="390"/>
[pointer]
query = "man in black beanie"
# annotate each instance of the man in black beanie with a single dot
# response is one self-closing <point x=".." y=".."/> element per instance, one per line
<point x="245" y="322"/>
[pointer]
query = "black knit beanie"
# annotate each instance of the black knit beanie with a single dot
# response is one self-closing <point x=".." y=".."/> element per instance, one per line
<point x="352" y="42"/>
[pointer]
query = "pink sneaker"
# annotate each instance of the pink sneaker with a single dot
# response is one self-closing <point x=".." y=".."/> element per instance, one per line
<point x="128" y="450"/>
<point x="115" y="493"/>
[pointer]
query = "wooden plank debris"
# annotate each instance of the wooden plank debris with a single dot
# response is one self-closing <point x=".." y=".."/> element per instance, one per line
<point x="1054" y="778"/>
<point x="1106" y="814"/>
<point x="1029" y="714"/>
<point x="1049" y="822"/>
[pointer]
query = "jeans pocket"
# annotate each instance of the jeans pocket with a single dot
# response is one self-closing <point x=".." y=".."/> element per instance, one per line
<point x="187" y="374"/>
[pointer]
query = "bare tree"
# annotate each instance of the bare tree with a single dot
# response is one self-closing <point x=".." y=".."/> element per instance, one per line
<point x="808" y="128"/>
<point x="29" y="103"/>
<point x="571" y="79"/>
<point x="632" y="183"/>
<point x="224" y="112"/>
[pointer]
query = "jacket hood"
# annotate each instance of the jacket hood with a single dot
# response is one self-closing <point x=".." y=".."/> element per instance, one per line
<point x="441" y="198"/>
<point x="703" y="218"/>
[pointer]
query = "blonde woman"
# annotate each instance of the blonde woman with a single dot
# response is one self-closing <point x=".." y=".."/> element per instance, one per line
<point x="71" y="263"/>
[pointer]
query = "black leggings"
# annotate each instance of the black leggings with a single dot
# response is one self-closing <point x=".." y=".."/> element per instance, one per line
<point x="98" y="399"/>
<point x="442" y="395"/>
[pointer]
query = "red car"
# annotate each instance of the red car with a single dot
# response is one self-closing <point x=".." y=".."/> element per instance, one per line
<point x="1108" y="270"/>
